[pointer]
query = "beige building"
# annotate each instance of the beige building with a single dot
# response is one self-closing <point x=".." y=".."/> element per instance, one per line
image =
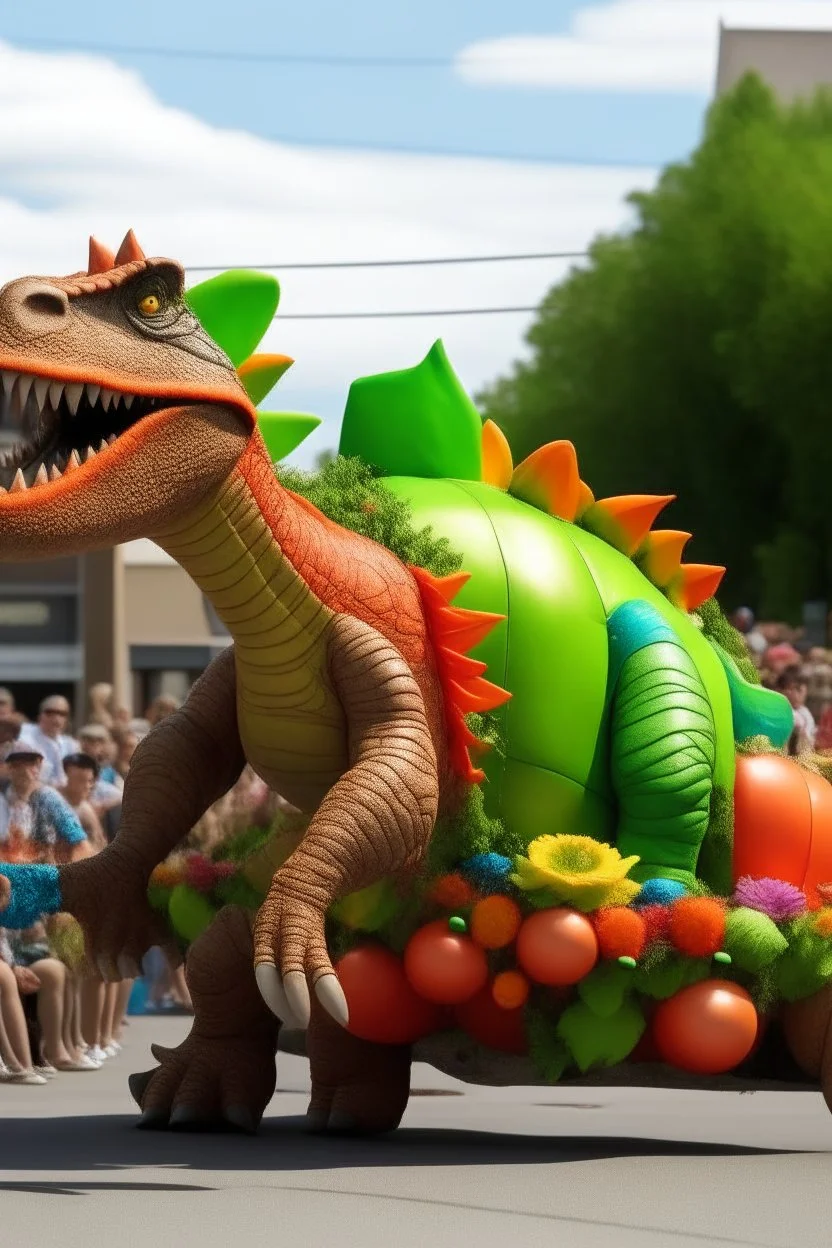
<point x="794" y="62"/>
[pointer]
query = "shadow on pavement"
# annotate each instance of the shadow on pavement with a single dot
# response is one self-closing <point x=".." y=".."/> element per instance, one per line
<point x="112" y="1142"/>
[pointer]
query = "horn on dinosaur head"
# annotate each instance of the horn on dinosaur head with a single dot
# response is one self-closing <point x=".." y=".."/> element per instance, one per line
<point x="101" y="258"/>
<point x="129" y="250"/>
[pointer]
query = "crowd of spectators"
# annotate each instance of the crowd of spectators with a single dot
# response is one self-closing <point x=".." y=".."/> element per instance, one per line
<point x="60" y="800"/>
<point x="802" y="672"/>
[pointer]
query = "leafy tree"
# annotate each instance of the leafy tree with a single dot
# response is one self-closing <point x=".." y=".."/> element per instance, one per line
<point x="694" y="353"/>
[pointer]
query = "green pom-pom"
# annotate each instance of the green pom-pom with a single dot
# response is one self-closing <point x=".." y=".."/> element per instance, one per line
<point x="159" y="897"/>
<point x="806" y="966"/>
<point x="752" y="939"/>
<point x="604" y="989"/>
<point x="190" y="912"/>
<point x="593" y="1042"/>
<point x="369" y="909"/>
<point x="662" y="974"/>
<point x="457" y="924"/>
<point x="630" y="963"/>
<point x="723" y="958"/>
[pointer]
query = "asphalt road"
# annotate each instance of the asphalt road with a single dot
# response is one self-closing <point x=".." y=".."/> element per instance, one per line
<point x="469" y="1167"/>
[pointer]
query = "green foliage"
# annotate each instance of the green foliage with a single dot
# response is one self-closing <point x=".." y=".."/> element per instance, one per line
<point x="348" y="492"/>
<point x="548" y="1052"/>
<point x="716" y="628"/>
<point x="605" y="1044"/>
<point x="692" y="354"/>
<point x="467" y="831"/>
<point x="714" y="863"/>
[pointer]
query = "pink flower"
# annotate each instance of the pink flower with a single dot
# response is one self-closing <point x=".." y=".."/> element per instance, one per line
<point x="779" y="900"/>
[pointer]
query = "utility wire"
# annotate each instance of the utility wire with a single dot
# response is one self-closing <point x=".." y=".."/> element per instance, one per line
<point x="393" y="264"/>
<point x="363" y="316"/>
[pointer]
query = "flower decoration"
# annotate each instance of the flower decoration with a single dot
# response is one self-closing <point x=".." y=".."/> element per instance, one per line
<point x="823" y="922"/>
<point x="577" y="869"/>
<point x="779" y="900"/>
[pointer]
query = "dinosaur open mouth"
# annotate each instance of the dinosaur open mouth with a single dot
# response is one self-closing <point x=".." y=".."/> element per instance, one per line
<point x="61" y="424"/>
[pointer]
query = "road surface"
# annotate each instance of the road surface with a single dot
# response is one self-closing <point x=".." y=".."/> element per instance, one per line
<point x="469" y="1167"/>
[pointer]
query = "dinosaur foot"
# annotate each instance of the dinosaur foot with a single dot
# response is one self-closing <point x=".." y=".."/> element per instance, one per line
<point x="807" y="1027"/>
<point x="223" y="1075"/>
<point x="358" y="1088"/>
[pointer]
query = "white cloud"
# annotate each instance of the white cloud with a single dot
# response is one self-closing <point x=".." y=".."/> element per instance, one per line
<point x="86" y="147"/>
<point x="633" y="45"/>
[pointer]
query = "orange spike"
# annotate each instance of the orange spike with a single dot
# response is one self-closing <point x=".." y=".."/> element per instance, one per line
<point x="663" y="554"/>
<point x="449" y="586"/>
<point x="466" y="629"/>
<point x="585" y="499"/>
<point x="497" y="464"/>
<point x="101" y="258"/>
<point x="129" y="250"/>
<point x="697" y="583"/>
<point x="625" y="520"/>
<point x="548" y="479"/>
<point x="461" y="666"/>
<point x="478" y="695"/>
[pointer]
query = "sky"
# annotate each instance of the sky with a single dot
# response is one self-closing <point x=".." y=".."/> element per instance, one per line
<point x="384" y="131"/>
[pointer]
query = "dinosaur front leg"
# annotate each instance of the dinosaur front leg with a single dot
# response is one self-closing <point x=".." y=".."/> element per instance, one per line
<point x="223" y="1073"/>
<point x="375" y="822"/>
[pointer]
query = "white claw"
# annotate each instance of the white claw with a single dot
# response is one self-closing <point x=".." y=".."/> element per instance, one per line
<point x="271" y="990"/>
<point x="331" y="996"/>
<point x="297" y="995"/>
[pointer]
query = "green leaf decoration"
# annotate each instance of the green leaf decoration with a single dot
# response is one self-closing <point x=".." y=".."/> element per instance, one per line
<point x="594" y="1045"/>
<point x="603" y="991"/>
<point x="235" y="308"/>
<point x="284" y="431"/>
<point x="261" y="373"/>
<point x="190" y="912"/>
<point x="417" y="422"/>
<point x="752" y="939"/>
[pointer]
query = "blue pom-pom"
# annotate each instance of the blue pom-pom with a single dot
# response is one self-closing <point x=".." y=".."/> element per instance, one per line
<point x="487" y="872"/>
<point x="36" y="890"/>
<point x="659" y="893"/>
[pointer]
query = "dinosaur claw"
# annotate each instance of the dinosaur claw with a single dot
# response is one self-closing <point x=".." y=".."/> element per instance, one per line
<point x="188" y="1118"/>
<point x="240" y="1118"/>
<point x="160" y="1052"/>
<point x="153" y="1120"/>
<point x="343" y="1124"/>
<point x="317" y="1119"/>
<point x="271" y="990"/>
<point x="138" y="1082"/>
<point x="297" y="995"/>
<point x="331" y="996"/>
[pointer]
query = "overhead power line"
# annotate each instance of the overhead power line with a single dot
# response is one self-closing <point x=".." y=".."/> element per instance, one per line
<point x="394" y="264"/>
<point x="365" y="316"/>
<point x="333" y="60"/>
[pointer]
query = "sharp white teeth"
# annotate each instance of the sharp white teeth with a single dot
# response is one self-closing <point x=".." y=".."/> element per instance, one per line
<point x="117" y="400"/>
<point x="102" y="445"/>
<point x="41" y="390"/>
<point x="89" y="454"/>
<point x="128" y="400"/>
<point x="106" y="397"/>
<point x="55" y="473"/>
<point x="56" y="389"/>
<point x="24" y="385"/>
<point x="111" y="439"/>
<point x="93" y="393"/>
<point x="3" y="489"/>
<point x="42" y="477"/>
<point x="18" y="484"/>
<point x="73" y="462"/>
<point x="8" y="381"/>
<point x="73" y="392"/>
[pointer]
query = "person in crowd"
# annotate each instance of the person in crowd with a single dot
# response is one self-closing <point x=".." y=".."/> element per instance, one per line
<point x="16" y="1065"/>
<point x="81" y="776"/>
<point x="817" y="670"/>
<point x="745" y="623"/>
<point x="97" y="741"/>
<point x="162" y="706"/>
<point x="7" y="706"/>
<point x="792" y="684"/>
<point x="36" y="824"/>
<point x="102" y="710"/>
<point x="50" y="738"/>
<point x="126" y="742"/>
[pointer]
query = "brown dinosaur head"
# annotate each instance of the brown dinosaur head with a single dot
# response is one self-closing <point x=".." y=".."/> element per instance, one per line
<point x="126" y="411"/>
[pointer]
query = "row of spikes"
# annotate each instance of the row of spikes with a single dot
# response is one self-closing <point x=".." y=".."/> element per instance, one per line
<point x="549" y="480"/>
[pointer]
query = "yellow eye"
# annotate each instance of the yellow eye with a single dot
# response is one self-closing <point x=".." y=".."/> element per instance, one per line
<point x="149" y="306"/>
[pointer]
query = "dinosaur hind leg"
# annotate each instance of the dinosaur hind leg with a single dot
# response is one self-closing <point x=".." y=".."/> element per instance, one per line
<point x="223" y="1075"/>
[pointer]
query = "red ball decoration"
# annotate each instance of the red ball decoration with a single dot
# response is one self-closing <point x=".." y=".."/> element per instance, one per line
<point x="489" y="1024"/>
<point x="383" y="1007"/>
<point x="495" y="921"/>
<point x="557" y="946"/>
<point x="697" y="926"/>
<point x="707" y="1028"/>
<point x="621" y="932"/>
<point x="444" y="966"/>
<point x="656" y="920"/>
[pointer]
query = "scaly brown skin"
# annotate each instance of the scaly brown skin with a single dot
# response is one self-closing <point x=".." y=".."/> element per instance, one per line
<point x="807" y="1027"/>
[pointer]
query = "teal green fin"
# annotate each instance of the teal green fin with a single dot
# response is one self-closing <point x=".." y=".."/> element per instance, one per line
<point x="235" y="308"/>
<point x="284" y="431"/>
<point x="756" y="711"/>
<point x="417" y="422"/>
<point x="663" y="744"/>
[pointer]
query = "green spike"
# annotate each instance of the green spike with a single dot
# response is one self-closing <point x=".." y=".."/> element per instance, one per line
<point x="284" y="431"/>
<point x="417" y="422"/>
<point x="261" y="373"/>
<point x="235" y="308"/>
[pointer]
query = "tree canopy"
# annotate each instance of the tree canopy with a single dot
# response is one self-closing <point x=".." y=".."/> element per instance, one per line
<point x="693" y="354"/>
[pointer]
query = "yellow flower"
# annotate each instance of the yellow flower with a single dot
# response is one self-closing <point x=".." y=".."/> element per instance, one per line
<point x="578" y="870"/>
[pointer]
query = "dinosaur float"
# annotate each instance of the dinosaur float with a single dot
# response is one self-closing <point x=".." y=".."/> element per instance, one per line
<point x="631" y="883"/>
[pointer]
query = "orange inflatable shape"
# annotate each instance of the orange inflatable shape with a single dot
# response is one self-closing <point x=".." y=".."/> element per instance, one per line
<point x="695" y="584"/>
<point x="626" y="520"/>
<point x="663" y="555"/>
<point x="707" y="1028"/>
<point x="549" y="480"/>
<point x="101" y="258"/>
<point x="497" y="464"/>
<point x="129" y="250"/>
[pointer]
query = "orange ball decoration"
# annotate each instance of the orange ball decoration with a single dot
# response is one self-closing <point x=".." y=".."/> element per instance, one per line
<point x="707" y="1028"/>
<point x="489" y="1024"/>
<point x="697" y="926"/>
<point x="452" y="892"/>
<point x="495" y="921"/>
<point x="444" y="966"/>
<point x="383" y="1006"/>
<point x="557" y="946"/>
<point x="621" y="932"/>
<point x="510" y="990"/>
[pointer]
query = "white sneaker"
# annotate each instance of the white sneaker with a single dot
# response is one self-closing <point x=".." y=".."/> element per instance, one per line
<point x="96" y="1054"/>
<point x="84" y="1062"/>
<point x="30" y="1078"/>
<point x="111" y="1051"/>
<point x="46" y="1069"/>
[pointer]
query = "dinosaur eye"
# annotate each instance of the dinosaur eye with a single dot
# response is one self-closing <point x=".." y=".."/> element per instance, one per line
<point x="149" y="305"/>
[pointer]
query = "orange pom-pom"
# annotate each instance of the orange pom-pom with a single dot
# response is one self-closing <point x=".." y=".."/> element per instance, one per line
<point x="495" y="921"/>
<point x="451" y="892"/>
<point x="823" y="922"/>
<point x="621" y="932"/>
<point x="697" y="926"/>
<point x="510" y="990"/>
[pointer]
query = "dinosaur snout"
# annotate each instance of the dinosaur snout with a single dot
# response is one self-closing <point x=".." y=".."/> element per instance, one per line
<point x="34" y="308"/>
